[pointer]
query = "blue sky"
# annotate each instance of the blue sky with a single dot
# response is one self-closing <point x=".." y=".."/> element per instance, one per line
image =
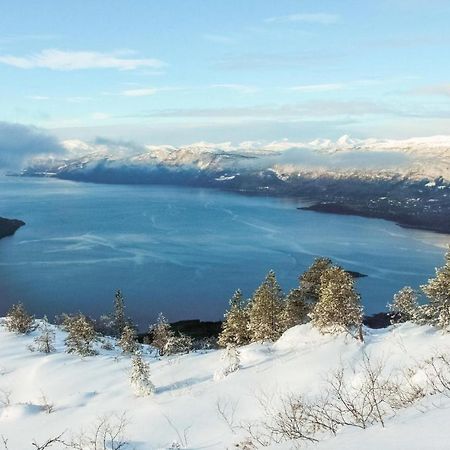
<point x="187" y="70"/>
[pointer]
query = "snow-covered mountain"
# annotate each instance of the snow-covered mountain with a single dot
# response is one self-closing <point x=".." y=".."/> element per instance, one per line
<point x="45" y="395"/>
<point x="427" y="157"/>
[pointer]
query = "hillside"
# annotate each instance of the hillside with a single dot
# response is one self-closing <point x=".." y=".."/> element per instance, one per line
<point x="184" y="410"/>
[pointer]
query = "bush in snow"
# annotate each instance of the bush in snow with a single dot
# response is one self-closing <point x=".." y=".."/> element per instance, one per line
<point x="128" y="341"/>
<point x="140" y="376"/>
<point x="405" y="306"/>
<point x="437" y="291"/>
<point x="178" y="344"/>
<point x="339" y="306"/>
<point x="265" y="309"/>
<point x="236" y="322"/>
<point x="45" y="341"/>
<point x="18" y="320"/>
<point x="81" y="335"/>
<point x="232" y="361"/>
<point x="162" y="333"/>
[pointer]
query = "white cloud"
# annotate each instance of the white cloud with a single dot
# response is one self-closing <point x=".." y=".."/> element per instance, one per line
<point x="319" y="18"/>
<point x="38" y="97"/>
<point x="140" y="92"/>
<point x="100" y="116"/>
<point x="55" y="59"/>
<point x="435" y="89"/>
<point x="318" y="87"/>
<point x="240" y="88"/>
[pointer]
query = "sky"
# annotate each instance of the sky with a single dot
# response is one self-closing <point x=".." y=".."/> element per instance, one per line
<point x="180" y="71"/>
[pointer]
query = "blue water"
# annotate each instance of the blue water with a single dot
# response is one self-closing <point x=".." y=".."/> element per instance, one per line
<point x="184" y="251"/>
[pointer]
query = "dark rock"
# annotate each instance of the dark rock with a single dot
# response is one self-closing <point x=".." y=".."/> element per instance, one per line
<point x="9" y="226"/>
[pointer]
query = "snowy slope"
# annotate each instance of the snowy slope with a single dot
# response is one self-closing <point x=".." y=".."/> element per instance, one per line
<point x="187" y="394"/>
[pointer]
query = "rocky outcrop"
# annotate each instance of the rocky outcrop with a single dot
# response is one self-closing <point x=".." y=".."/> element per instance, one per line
<point x="9" y="226"/>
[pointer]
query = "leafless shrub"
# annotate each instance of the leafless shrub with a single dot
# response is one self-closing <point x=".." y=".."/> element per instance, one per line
<point x="182" y="441"/>
<point x="49" y="442"/>
<point x="358" y="398"/>
<point x="226" y="409"/>
<point x="46" y="405"/>
<point x="108" y="433"/>
<point x="437" y="371"/>
<point x="5" y="398"/>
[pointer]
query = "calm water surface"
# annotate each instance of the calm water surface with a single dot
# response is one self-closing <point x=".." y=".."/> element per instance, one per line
<point x="184" y="251"/>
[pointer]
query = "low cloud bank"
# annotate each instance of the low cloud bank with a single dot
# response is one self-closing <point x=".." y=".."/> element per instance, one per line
<point x="20" y="142"/>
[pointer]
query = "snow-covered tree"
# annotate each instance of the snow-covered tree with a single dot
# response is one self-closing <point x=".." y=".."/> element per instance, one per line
<point x="119" y="319"/>
<point x="310" y="280"/>
<point x="295" y="310"/>
<point x="81" y="335"/>
<point x="231" y="356"/>
<point x="437" y="291"/>
<point x="178" y="344"/>
<point x="162" y="333"/>
<point x="18" y="320"/>
<point x="236" y="322"/>
<point x="127" y="341"/>
<point x="140" y="376"/>
<point x="45" y="341"/>
<point x="339" y="306"/>
<point x="404" y="306"/>
<point x="265" y="310"/>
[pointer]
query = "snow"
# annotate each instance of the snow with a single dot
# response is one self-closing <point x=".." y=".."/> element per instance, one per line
<point x="187" y="394"/>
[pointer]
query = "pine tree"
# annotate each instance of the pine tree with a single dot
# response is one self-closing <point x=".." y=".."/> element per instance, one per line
<point x="265" y="310"/>
<point x="162" y="333"/>
<point x="81" y="335"/>
<point x="310" y="280"/>
<point x="339" y="306"/>
<point x="119" y="319"/>
<point x="45" y="341"/>
<point x="127" y="340"/>
<point x="404" y="306"/>
<point x="437" y="291"/>
<point x="18" y="320"/>
<point x="295" y="310"/>
<point x="236" y="322"/>
<point x="140" y="376"/>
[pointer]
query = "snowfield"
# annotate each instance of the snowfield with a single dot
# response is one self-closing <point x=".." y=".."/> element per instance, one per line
<point x="184" y="411"/>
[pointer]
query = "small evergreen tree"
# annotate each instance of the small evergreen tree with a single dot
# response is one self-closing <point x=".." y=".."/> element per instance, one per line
<point x="437" y="291"/>
<point x="140" y="376"/>
<point x="405" y="306"/>
<point x="119" y="319"/>
<point x="265" y="310"/>
<point x="127" y="340"/>
<point x="45" y="341"/>
<point x="162" y="333"/>
<point x="339" y="306"/>
<point x="81" y="335"/>
<point x="295" y="310"/>
<point x="235" y="326"/>
<point x="310" y="281"/>
<point x="178" y="344"/>
<point x="233" y="359"/>
<point x="18" y="320"/>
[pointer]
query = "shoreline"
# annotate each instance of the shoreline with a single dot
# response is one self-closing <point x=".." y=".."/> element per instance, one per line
<point x="344" y="210"/>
